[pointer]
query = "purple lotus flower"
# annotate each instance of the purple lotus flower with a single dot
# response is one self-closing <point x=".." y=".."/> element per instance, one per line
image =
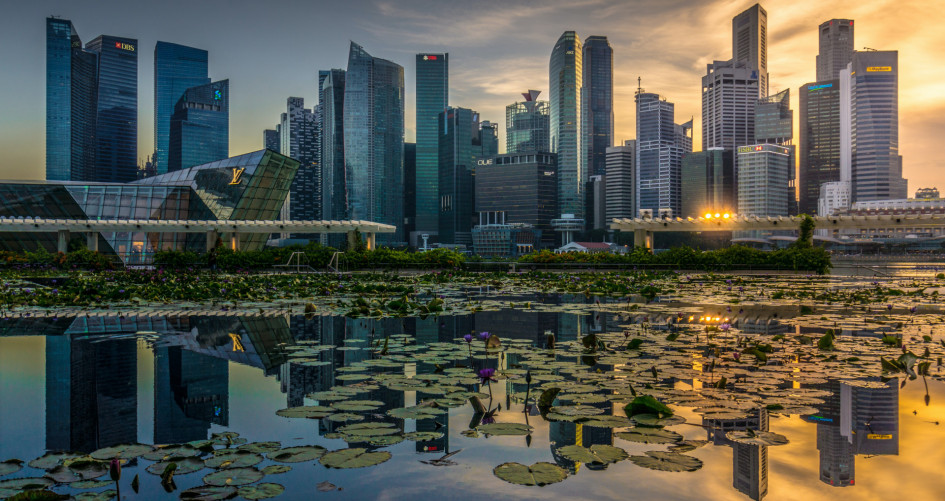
<point x="114" y="470"/>
<point x="913" y="309"/>
<point x="486" y="374"/>
<point x="468" y="338"/>
<point x="484" y="335"/>
<point x="725" y="327"/>
<point x="736" y="355"/>
<point x="888" y="306"/>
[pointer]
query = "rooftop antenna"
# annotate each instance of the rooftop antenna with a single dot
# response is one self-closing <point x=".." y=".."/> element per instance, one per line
<point x="639" y="85"/>
<point x="869" y="49"/>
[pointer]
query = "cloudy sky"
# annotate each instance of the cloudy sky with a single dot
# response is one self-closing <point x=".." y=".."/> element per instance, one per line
<point x="498" y="49"/>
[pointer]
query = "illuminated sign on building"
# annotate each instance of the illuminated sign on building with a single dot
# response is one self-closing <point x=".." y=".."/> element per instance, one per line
<point x="427" y="57"/>
<point x="484" y="162"/>
<point x="124" y="46"/>
<point x="237" y="175"/>
<point x="876" y="436"/>
<point x="217" y="95"/>
<point x="821" y="86"/>
<point x="873" y="69"/>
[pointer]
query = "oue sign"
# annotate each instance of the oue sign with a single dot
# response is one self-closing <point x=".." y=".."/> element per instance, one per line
<point x="484" y="162"/>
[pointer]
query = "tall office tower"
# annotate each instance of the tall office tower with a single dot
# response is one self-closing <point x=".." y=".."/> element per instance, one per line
<point x="595" y="209"/>
<point x="874" y="95"/>
<point x="433" y="74"/>
<point x="565" y="78"/>
<point x="200" y="126"/>
<point x="116" y="121"/>
<point x="750" y="464"/>
<point x="708" y="183"/>
<point x="271" y="140"/>
<point x="750" y="43"/>
<point x="298" y="141"/>
<point x="528" y="124"/>
<point x="819" y="141"/>
<point x="331" y="101"/>
<point x="729" y="95"/>
<point x="621" y="179"/>
<point x="460" y="147"/>
<point x="774" y="124"/>
<point x="836" y="48"/>
<point x="374" y="141"/>
<point x="489" y="135"/>
<point x="176" y="69"/>
<point x="598" y="109"/>
<point x="191" y="393"/>
<point x="661" y="145"/>
<point x="521" y="187"/>
<point x="763" y="180"/>
<point x="71" y="91"/>
<point x="410" y="191"/>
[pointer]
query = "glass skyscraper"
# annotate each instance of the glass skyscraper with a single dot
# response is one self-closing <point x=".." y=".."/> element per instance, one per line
<point x="200" y="126"/>
<point x="565" y="74"/>
<point x="527" y="124"/>
<point x="116" y="131"/>
<point x="598" y="95"/>
<point x="819" y="141"/>
<point x="460" y="146"/>
<point x="836" y="48"/>
<point x="374" y="141"/>
<point x="432" y="82"/>
<point x="750" y="43"/>
<point x="708" y="182"/>
<point x="661" y="145"/>
<point x="176" y="69"/>
<point x="331" y="101"/>
<point x="298" y="140"/>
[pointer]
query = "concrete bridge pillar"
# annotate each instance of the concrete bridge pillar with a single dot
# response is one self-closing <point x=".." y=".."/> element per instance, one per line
<point x="63" y="241"/>
<point x="352" y="240"/>
<point x="643" y="238"/>
<point x="91" y="241"/>
<point x="212" y="236"/>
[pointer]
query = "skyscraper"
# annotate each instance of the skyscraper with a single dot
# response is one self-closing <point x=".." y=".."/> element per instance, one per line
<point x="298" y="135"/>
<point x="819" y="141"/>
<point x="176" y="69"/>
<point x="116" y="121"/>
<point x="374" y="140"/>
<point x="489" y="136"/>
<point x="877" y="166"/>
<point x="621" y="180"/>
<point x="729" y="95"/>
<point x="763" y="180"/>
<point x="661" y="144"/>
<point x="200" y="126"/>
<point x="774" y="124"/>
<point x="432" y="82"/>
<point x="708" y="182"/>
<point x="331" y="101"/>
<point x="836" y="48"/>
<point x="750" y="43"/>
<point x="598" y="96"/>
<point x="565" y="77"/>
<point x="460" y="146"/>
<point x="527" y="124"/>
<point x="271" y="139"/>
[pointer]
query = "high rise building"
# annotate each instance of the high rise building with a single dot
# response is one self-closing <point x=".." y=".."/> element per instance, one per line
<point x="521" y="187"/>
<point x="116" y="121"/>
<point x="200" y="126"/>
<point x="298" y="130"/>
<point x="708" y="183"/>
<point x="836" y="48"/>
<point x="750" y="44"/>
<point x="527" y="124"/>
<point x="729" y="95"/>
<point x="176" y="69"/>
<point x="271" y="140"/>
<point x="661" y="144"/>
<point x="819" y="156"/>
<point x="410" y="190"/>
<point x="331" y="102"/>
<point x="876" y="164"/>
<point x="595" y="210"/>
<point x="621" y="180"/>
<point x="374" y="141"/>
<point x="598" y="99"/>
<point x="763" y="180"/>
<point x="489" y="135"/>
<point x="460" y="147"/>
<point x="432" y="97"/>
<point x="565" y="78"/>
<point x="774" y="124"/>
<point x="91" y="106"/>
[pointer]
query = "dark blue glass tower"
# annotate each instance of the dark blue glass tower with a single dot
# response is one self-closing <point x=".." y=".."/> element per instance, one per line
<point x="374" y="141"/>
<point x="460" y="145"/>
<point x="116" y="132"/>
<point x="598" y="95"/>
<point x="176" y="69"/>
<point x="200" y="126"/>
<point x="432" y="99"/>
<point x="331" y="100"/>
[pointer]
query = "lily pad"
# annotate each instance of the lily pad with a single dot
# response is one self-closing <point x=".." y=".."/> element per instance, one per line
<point x="650" y="436"/>
<point x="308" y="411"/>
<point x="25" y="484"/>
<point x="656" y="421"/>
<point x="275" y="469"/>
<point x="505" y="429"/>
<point x="353" y="458"/>
<point x="97" y="496"/>
<point x="50" y="459"/>
<point x="667" y="461"/>
<point x="10" y="466"/>
<point x="365" y="431"/>
<point x="233" y="459"/>
<point x="260" y="447"/>
<point x="126" y="451"/>
<point x="357" y="405"/>
<point x="647" y="404"/>
<point x="597" y="453"/>
<point x="209" y="493"/>
<point x="383" y="440"/>
<point x="233" y="477"/>
<point x="261" y="491"/>
<point x="171" y="451"/>
<point x="415" y="412"/>
<point x="607" y="422"/>
<point x="753" y="437"/>
<point x="185" y="465"/>
<point x="537" y="474"/>
<point x="298" y="454"/>
<point x="343" y="417"/>
<point x="423" y="436"/>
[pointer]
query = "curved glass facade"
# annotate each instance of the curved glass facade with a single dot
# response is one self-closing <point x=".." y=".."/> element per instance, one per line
<point x="565" y="78"/>
<point x="176" y="69"/>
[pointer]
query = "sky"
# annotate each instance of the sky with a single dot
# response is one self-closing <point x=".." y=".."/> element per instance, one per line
<point x="498" y="49"/>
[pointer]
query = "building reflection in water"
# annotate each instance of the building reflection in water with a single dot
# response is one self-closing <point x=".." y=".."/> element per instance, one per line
<point x="749" y="462"/>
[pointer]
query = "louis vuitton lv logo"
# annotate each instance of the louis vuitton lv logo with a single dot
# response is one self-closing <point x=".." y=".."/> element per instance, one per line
<point x="237" y="175"/>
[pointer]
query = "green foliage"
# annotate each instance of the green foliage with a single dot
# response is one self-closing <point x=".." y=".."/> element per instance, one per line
<point x="805" y="239"/>
<point x="646" y="404"/>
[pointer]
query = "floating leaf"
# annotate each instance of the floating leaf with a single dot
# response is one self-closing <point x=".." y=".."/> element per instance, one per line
<point x="597" y="453"/>
<point x="209" y="493"/>
<point x="275" y="469"/>
<point x="50" y="459"/>
<point x="667" y="461"/>
<point x="547" y="397"/>
<point x="126" y="451"/>
<point x="326" y="486"/>
<point x="647" y="404"/>
<point x="184" y="466"/>
<point x="753" y="437"/>
<point x="261" y="491"/>
<point x="423" y="436"/>
<point x="309" y="412"/>
<point x="97" y="496"/>
<point x="233" y="476"/>
<point x="537" y="474"/>
<point x="415" y="412"/>
<point x="163" y="453"/>
<point x="505" y="429"/>
<point x="653" y="420"/>
<point x="233" y="459"/>
<point x="357" y="405"/>
<point x="298" y="454"/>
<point x="353" y="458"/>
<point x="25" y="484"/>
<point x="650" y="436"/>
<point x="90" y="484"/>
<point x="260" y="447"/>
<point x="607" y="422"/>
<point x="344" y="417"/>
<point x="10" y="466"/>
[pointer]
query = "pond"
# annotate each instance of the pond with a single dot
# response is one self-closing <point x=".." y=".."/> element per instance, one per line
<point x="236" y="399"/>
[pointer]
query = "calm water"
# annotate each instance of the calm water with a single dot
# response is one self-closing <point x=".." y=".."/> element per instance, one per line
<point x="83" y="383"/>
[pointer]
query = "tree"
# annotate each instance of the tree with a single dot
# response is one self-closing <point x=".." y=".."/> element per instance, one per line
<point x="805" y="239"/>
